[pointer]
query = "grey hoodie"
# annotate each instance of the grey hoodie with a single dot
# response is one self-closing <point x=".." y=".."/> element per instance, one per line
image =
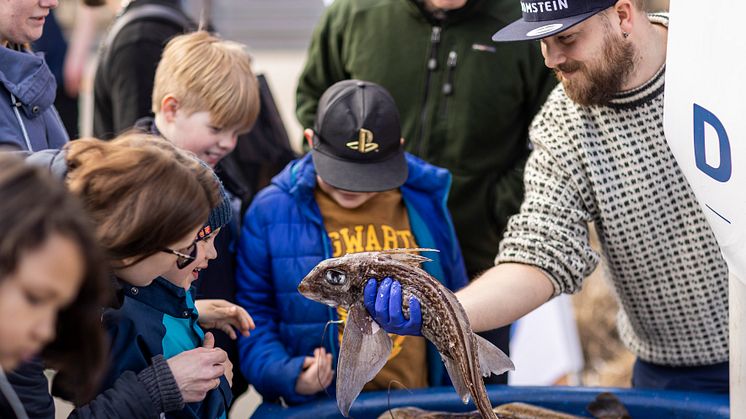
<point x="28" y="119"/>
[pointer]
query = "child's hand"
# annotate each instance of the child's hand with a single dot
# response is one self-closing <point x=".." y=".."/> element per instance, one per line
<point x="198" y="371"/>
<point x="224" y="315"/>
<point x="317" y="373"/>
<point x="209" y="343"/>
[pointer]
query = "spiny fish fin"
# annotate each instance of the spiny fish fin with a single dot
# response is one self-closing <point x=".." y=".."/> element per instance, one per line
<point x="491" y="359"/>
<point x="406" y="255"/>
<point x="457" y="379"/>
<point x="361" y="356"/>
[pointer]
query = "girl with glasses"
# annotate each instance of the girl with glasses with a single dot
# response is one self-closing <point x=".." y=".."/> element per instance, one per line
<point x="162" y="318"/>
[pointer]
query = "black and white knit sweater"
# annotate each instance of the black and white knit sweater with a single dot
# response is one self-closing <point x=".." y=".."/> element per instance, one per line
<point x="611" y="165"/>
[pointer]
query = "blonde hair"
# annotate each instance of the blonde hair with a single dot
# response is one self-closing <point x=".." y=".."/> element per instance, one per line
<point x="141" y="192"/>
<point x="206" y="73"/>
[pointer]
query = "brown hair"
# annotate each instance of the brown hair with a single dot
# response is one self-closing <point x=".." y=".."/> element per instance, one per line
<point x="34" y="206"/>
<point x="206" y="73"/>
<point x="142" y="192"/>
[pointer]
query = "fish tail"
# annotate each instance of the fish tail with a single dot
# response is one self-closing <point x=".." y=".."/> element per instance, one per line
<point x="482" y="400"/>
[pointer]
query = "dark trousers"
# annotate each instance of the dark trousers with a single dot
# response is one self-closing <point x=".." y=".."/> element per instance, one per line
<point x="708" y="378"/>
<point x="500" y="338"/>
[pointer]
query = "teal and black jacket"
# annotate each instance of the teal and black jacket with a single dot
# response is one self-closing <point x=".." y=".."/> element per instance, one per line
<point x="159" y="319"/>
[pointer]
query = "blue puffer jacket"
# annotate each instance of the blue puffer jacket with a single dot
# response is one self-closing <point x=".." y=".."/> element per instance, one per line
<point x="32" y="121"/>
<point x="283" y="238"/>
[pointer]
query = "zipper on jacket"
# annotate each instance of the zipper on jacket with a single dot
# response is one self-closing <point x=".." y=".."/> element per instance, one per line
<point x="432" y="65"/>
<point x="17" y="104"/>
<point x="448" y="86"/>
<point x="450" y="68"/>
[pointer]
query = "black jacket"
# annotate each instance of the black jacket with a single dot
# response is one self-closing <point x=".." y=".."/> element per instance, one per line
<point x="124" y="82"/>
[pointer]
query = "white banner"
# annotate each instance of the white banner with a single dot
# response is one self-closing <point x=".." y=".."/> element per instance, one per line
<point x="705" y="114"/>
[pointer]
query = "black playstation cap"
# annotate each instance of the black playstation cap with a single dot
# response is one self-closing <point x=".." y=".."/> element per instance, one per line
<point x="357" y="138"/>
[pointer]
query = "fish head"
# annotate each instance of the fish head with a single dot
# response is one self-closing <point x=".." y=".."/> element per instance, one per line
<point x="334" y="282"/>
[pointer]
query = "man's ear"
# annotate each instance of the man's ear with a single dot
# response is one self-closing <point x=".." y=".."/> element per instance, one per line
<point x="308" y="133"/>
<point x="401" y="141"/>
<point x="624" y="10"/>
<point x="169" y="108"/>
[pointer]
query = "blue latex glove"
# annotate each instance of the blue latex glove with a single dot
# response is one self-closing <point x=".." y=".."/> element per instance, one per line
<point x="384" y="304"/>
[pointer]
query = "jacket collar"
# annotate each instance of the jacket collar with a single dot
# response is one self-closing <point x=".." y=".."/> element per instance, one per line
<point x="27" y="77"/>
<point x="165" y="297"/>
<point x="299" y="178"/>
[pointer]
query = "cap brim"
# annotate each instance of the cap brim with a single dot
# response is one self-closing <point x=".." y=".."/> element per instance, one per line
<point x="520" y="30"/>
<point x="362" y="177"/>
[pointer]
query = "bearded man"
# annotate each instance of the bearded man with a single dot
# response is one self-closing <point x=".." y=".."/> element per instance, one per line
<point x="600" y="156"/>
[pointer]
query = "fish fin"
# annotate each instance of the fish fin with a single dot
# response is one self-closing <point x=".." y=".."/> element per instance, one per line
<point x="456" y="379"/>
<point x="491" y="359"/>
<point x="362" y="354"/>
<point x="406" y="255"/>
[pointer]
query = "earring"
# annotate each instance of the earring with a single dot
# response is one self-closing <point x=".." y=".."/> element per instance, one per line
<point x="625" y="35"/>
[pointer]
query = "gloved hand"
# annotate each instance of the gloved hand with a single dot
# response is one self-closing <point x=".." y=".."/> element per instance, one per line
<point x="384" y="304"/>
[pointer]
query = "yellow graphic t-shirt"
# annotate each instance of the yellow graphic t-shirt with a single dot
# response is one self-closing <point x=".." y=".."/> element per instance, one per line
<point x="379" y="224"/>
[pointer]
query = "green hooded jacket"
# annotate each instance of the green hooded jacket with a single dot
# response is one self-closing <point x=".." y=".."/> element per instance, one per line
<point x="465" y="101"/>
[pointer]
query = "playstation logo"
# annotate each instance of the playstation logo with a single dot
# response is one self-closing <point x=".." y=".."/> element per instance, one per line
<point x="364" y="142"/>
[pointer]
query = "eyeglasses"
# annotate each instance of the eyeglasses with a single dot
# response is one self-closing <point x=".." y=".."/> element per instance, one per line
<point x="183" y="259"/>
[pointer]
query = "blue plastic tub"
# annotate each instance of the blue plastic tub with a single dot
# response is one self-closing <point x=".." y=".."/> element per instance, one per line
<point x="639" y="403"/>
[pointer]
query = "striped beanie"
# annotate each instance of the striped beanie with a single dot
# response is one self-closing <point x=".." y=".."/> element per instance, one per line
<point x="219" y="216"/>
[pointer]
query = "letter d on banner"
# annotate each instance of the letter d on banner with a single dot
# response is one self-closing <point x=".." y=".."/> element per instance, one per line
<point x="701" y="117"/>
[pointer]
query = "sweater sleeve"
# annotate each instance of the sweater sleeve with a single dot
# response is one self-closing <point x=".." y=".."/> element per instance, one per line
<point x="133" y="377"/>
<point x="325" y="64"/>
<point x="265" y="360"/>
<point x="551" y="229"/>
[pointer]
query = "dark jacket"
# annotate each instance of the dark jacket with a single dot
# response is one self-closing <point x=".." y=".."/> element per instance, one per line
<point x="159" y="319"/>
<point x="465" y="101"/>
<point x="283" y="237"/>
<point x="142" y="395"/>
<point x="123" y="85"/>
<point x="33" y="120"/>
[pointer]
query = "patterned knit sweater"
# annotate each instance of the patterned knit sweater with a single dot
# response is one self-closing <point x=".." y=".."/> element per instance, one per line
<point x="611" y="165"/>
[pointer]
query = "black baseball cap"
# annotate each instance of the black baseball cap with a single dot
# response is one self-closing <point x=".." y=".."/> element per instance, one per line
<point x="544" y="18"/>
<point x="357" y="138"/>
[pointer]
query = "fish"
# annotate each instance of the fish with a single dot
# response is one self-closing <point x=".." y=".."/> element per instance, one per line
<point x="604" y="406"/>
<point x="505" y="411"/>
<point x="339" y="282"/>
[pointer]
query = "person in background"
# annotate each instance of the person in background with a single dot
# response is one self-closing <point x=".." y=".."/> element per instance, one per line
<point x="28" y="119"/>
<point x="123" y="83"/>
<point x="356" y="191"/>
<point x="465" y="102"/>
<point x="601" y="155"/>
<point x="68" y="59"/>
<point x="52" y="282"/>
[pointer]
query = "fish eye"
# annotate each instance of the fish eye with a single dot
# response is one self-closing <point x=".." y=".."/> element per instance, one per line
<point x="335" y="277"/>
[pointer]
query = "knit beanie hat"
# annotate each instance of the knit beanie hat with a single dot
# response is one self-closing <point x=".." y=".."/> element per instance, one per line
<point x="219" y="216"/>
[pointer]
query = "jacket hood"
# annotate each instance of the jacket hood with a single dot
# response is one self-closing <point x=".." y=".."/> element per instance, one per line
<point x="27" y="77"/>
<point x="299" y="177"/>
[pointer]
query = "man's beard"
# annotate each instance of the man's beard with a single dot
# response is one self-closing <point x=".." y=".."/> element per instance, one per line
<point x="598" y="82"/>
